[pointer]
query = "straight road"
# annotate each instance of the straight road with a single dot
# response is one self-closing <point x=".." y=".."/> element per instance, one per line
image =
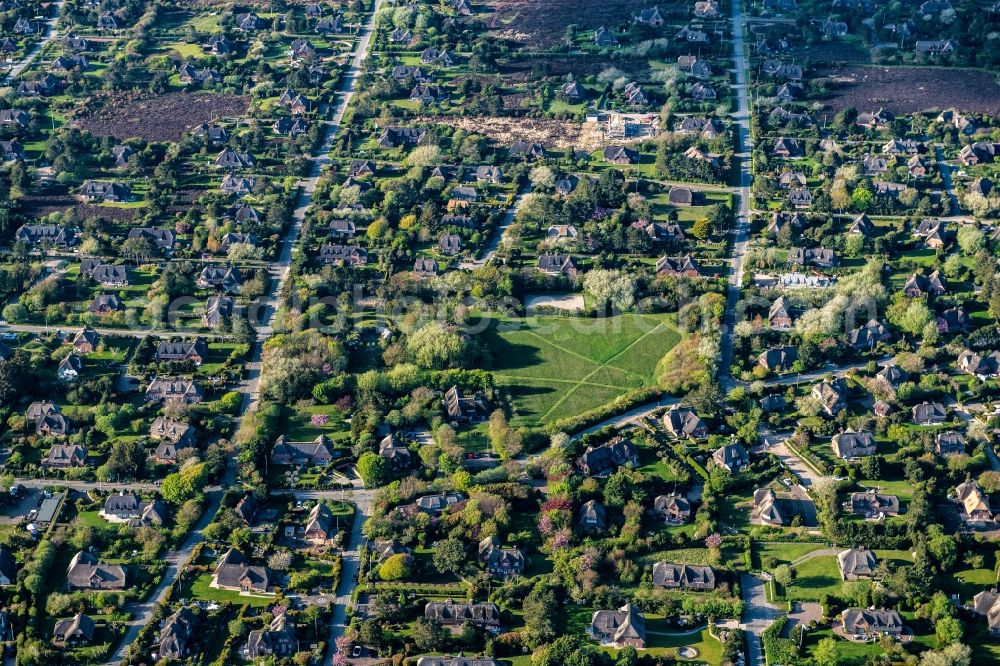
<point x="506" y="221"/>
<point x="632" y="416"/>
<point x="124" y="332"/>
<point x="949" y="185"/>
<point x="250" y="386"/>
<point x="758" y="614"/>
<point x="816" y="375"/>
<point x="775" y="443"/>
<point x="50" y="34"/>
<point x="349" y="570"/>
<point x="741" y="225"/>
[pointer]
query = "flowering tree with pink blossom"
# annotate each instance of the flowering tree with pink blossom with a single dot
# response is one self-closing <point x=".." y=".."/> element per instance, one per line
<point x="713" y="540"/>
<point x="319" y="419"/>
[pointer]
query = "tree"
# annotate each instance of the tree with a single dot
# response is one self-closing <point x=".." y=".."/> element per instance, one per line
<point x="942" y="547"/>
<point x="395" y="567"/>
<point x="541" y="609"/>
<point x="611" y="286"/>
<point x="434" y="346"/>
<point x="126" y="461"/>
<point x="618" y="489"/>
<point x="955" y="654"/>
<point x="230" y="402"/>
<point x="783" y="575"/>
<point x="428" y="635"/>
<point x="913" y="318"/>
<point x="970" y="239"/>
<point x="449" y="556"/>
<point x="237" y="627"/>
<point x="280" y="561"/>
<point x="826" y="652"/>
<point x="373" y="469"/>
<point x="948" y="630"/>
<point x="186" y="483"/>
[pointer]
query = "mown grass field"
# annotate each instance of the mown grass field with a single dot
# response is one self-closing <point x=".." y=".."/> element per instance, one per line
<point x="555" y="368"/>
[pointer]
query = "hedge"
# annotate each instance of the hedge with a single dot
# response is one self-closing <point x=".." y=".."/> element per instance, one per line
<point x="778" y="650"/>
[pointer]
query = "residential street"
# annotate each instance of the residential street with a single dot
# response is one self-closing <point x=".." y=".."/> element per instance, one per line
<point x="775" y="443"/>
<point x="506" y="221"/>
<point x="741" y="225"/>
<point x="757" y="616"/>
<point x="129" y="332"/>
<point x="817" y="375"/>
<point x="142" y="612"/>
<point x="250" y="386"/>
<point x="50" y="34"/>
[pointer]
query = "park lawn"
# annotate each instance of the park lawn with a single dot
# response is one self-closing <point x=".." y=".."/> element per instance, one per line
<point x="901" y="489"/>
<point x="475" y="438"/>
<point x="651" y="465"/>
<point x="555" y="368"/>
<point x="201" y="589"/>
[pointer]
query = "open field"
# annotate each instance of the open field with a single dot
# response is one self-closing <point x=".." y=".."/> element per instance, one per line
<point x="543" y="24"/>
<point x="158" y="117"/>
<point x="555" y="368"/>
<point x="913" y="89"/>
<point x="553" y="134"/>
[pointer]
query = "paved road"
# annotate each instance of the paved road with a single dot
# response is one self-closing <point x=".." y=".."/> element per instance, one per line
<point x="142" y="612"/>
<point x="50" y="34"/>
<point x="949" y="185"/>
<point x="127" y="332"/>
<point x="362" y="499"/>
<point x="632" y="416"/>
<point x="817" y="375"/>
<point x="136" y="486"/>
<point x="350" y="566"/>
<point x="741" y="226"/>
<point x="250" y="386"/>
<point x="758" y="614"/>
<point x="506" y="221"/>
<point x="776" y="445"/>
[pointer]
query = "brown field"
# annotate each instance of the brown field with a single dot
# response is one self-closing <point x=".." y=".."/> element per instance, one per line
<point x="157" y="117"/>
<point x="58" y="198"/>
<point x="543" y="23"/>
<point x="527" y="69"/>
<point x="553" y="134"/>
<point x="913" y="89"/>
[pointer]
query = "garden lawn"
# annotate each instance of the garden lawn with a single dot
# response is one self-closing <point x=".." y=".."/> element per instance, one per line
<point x="201" y="589"/>
<point x="849" y="653"/>
<point x="555" y="368"/>
<point x="784" y="553"/>
<point x="815" y="577"/>
<point x="299" y="427"/>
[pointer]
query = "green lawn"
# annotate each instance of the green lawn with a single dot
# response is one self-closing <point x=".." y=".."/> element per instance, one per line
<point x="555" y="368"/>
<point x="784" y="553"/>
<point x="201" y="589"/>
<point x="299" y="427"/>
<point x="815" y="577"/>
<point x="849" y="653"/>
